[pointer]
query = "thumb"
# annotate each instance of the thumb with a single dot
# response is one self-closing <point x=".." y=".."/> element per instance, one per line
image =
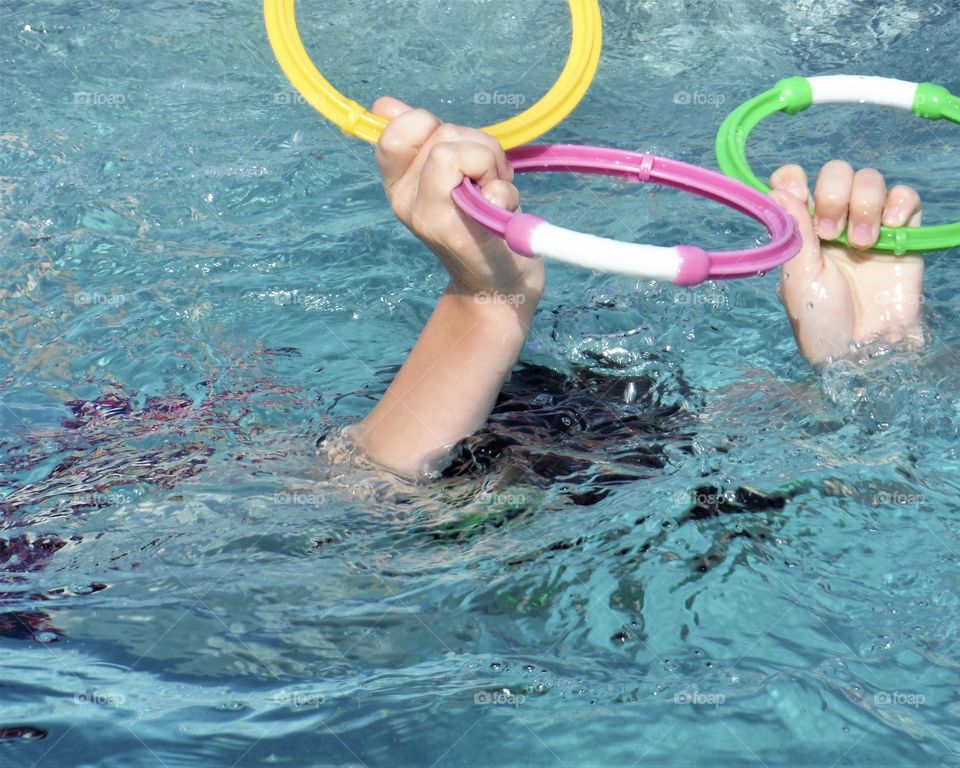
<point x="809" y="261"/>
<point x="798" y="273"/>
<point x="389" y="108"/>
<point x="407" y="131"/>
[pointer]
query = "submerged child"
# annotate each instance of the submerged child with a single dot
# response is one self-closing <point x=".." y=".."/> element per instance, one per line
<point x="448" y="385"/>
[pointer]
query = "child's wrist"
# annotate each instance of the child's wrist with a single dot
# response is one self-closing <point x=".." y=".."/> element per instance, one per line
<point x="510" y="310"/>
<point x="520" y="301"/>
<point x="521" y="290"/>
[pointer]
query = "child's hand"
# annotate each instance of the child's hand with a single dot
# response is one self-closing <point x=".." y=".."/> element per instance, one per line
<point x="838" y="296"/>
<point x="422" y="161"/>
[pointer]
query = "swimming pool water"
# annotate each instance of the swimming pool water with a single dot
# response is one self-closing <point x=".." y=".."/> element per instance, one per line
<point x="199" y="276"/>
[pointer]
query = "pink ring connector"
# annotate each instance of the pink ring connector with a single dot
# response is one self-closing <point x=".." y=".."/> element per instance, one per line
<point x="646" y="167"/>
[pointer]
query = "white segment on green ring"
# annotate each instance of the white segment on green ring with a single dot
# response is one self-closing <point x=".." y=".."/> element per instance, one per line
<point x="862" y="89"/>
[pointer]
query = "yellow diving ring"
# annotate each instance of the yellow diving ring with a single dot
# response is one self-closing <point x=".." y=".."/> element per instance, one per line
<point x="357" y="121"/>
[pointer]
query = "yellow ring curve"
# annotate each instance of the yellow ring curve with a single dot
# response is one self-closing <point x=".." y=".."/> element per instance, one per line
<point x="355" y="120"/>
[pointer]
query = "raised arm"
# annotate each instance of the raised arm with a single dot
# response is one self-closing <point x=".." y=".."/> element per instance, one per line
<point x="448" y="384"/>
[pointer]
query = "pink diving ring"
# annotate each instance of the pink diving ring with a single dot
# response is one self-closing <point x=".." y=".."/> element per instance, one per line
<point x="682" y="264"/>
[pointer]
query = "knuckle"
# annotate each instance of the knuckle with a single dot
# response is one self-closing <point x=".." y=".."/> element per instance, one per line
<point x="859" y="215"/>
<point x="443" y="153"/>
<point x="426" y="121"/>
<point x="831" y="199"/>
<point x="864" y="205"/>
<point x="420" y="112"/>
<point x="448" y="132"/>
<point x="489" y="141"/>
<point x="490" y="156"/>
<point x="391" y="142"/>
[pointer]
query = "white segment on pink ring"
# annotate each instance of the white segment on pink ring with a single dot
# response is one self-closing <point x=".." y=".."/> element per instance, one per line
<point x="530" y="235"/>
<point x="687" y="265"/>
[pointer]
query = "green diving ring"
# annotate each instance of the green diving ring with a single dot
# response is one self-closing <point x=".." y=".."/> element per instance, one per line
<point x="795" y="94"/>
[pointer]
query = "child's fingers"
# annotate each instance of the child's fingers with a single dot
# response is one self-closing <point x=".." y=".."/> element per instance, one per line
<point x="450" y="133"/>
<point x="867" y="195"/>
<point x="446" y="165"/>
<point x="502" y="193"/>
<point x="401" y="140"/>
<point x="832" y="198"/>
<point x="793" y="179"/>
<point x="902" y="207"/>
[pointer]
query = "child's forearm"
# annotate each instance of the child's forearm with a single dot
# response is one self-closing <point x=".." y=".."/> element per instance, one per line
<point x="449" y="382"/>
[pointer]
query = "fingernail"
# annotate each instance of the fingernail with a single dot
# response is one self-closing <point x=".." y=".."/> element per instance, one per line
<point x="797" y="191"/>
<point x="828" y="229"/>
<point x="863" y="234"/>
<point x="891" y="217"/>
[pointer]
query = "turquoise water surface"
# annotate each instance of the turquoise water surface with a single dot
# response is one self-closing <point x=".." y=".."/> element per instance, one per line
<point x="721" y="558"/>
